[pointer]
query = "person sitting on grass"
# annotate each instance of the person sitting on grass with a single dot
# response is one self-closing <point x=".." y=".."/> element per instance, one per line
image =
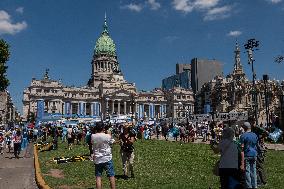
<point x="101" y="143"/>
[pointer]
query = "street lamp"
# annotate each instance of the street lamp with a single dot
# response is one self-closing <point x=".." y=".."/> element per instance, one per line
<point x="265" y="79"/>
<point x="251" y="44"/>
<point x="282" y="104"/>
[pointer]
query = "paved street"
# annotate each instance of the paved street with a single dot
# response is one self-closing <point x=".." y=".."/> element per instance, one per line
<point x="17" y="173"/>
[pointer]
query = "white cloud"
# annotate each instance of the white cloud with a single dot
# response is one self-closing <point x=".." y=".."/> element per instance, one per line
<point x="20" y="10"/>
<point x="274" y="1"/>
<point x="217" y="13"/>
<point x="185" y="6"/>
<point x="133" y="7"/>
<point x="234" y="33"/>
<point x="154" y="5"/>
<point x="4" y="15"/>
<point x="6" y="25"/>
<point x="205" y="4"/>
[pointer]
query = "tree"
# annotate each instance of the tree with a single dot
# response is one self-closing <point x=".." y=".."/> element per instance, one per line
<point x="4" y="57"/>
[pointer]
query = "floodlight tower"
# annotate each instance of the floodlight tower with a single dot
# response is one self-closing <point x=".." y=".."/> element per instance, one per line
<point x="250" y="47"/>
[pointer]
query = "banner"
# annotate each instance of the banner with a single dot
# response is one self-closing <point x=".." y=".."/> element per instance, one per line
<point x="199" y="118"/>
<point x="67" y="108"/>
<point x="141" y="111"/>
<point x="232" y="116"/>
<point x="96" y="108"/>
<point x="151" y="110"/>
<point x="40" y="109"/>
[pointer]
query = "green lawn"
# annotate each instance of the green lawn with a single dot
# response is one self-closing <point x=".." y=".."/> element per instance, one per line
<point x="158" y="164"/>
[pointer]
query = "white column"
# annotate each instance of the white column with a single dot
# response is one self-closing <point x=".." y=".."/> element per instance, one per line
<point x="118" y="107"/>
<point x="125" y="107"/>
<point x="130" y="108"/>
<point x="112" y="107"/>
<point x="78" y="109"/>
<point x="71" y="106"/>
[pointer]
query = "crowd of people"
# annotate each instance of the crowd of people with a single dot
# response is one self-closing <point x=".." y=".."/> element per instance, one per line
<point x="15" y="137"/>
<point x="241" y="163"/>
<point x="241" y="147"/>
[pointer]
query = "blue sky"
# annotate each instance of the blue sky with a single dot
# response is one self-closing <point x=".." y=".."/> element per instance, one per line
<point x="151" y="36"/>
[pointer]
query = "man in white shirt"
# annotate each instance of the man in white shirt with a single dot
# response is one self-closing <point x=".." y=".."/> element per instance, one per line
<point x="101" y="143"/>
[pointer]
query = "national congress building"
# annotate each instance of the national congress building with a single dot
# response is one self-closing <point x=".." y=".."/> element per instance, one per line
<point x="106" y="92"/>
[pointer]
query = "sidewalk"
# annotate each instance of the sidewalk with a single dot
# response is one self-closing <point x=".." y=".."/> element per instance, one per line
<point x="17" y="173"/>
<point x="275" y="146"/>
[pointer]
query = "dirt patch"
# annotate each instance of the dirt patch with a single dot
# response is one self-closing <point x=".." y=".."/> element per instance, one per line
<point x="56" y="173"/>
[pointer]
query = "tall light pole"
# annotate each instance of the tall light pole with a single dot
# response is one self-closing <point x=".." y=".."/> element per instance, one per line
<point x="265" y="79"/>
<point x="249" y="46"/>
<point x="282" y="104"/>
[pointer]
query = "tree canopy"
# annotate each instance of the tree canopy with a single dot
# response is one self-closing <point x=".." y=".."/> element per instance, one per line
<point x="4" y="57"/>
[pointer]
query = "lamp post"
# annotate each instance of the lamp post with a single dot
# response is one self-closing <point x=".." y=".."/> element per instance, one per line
<point x="249" y="46"/>
<point x="282" y="104"/>
<point x="102" y="98"/>
<point x="265" y="79"/>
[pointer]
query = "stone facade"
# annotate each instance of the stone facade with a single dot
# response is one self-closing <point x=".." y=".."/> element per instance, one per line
<point x="107" y="92"/>
<point x="234" y="93"/>
<point x="7" y="108"/>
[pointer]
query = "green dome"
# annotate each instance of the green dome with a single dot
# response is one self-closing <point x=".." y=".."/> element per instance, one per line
<point x="105" y="44"/>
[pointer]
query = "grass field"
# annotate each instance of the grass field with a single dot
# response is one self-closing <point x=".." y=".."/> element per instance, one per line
<point x="158" y="164"/>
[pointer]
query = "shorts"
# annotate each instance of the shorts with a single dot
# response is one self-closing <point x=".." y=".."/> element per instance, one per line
<point x="108" y="166"/>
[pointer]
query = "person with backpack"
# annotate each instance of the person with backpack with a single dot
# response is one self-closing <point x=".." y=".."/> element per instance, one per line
<point x="127" y="139"/>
